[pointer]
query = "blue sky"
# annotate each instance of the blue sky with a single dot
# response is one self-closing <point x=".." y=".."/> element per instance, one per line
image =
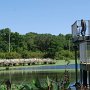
<point x="42" y="16"/>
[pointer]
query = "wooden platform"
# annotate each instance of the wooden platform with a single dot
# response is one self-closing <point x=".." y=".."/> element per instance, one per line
<point x="78" y="39"/>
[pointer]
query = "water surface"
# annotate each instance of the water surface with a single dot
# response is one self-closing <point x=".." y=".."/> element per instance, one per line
<point x="71" y="66"/>
<point x="28" y="74"/>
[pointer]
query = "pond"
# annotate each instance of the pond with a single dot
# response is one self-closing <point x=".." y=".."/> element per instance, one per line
<point x="52" y="67"/>
<point x="27" y="75"/>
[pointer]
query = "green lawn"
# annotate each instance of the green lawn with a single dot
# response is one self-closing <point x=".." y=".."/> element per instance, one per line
<point x="62" y="62"/>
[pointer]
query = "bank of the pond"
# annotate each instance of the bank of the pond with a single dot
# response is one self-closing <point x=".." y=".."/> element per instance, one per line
<point x="46" y="67"/>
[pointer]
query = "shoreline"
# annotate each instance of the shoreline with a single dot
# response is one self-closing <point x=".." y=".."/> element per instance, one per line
<point x="62" y="62"/>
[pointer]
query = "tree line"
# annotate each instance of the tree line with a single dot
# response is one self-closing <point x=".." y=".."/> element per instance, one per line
<point x="34" y="45"/>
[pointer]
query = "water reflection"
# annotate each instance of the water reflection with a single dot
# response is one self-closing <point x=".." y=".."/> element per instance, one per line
<point x="27" y="76"/>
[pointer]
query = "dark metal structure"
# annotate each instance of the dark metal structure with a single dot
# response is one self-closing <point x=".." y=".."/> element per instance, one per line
<point x="83" y="42"/>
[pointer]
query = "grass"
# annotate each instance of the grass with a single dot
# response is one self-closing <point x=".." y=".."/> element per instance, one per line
<point x="62" y="62"/>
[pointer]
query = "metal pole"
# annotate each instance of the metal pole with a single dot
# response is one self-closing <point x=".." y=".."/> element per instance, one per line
<point x="9" y="40"/>
<point x="69" y="45"/>
<point x="76" y="66"/>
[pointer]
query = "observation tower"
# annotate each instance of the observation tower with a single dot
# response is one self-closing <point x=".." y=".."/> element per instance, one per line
<point x="81" y="40"/>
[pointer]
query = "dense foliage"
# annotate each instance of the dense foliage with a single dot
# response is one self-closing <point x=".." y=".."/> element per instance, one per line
<point x="33" y="45"/>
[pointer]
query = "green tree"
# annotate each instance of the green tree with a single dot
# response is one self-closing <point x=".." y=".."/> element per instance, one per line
<point x="12" y="55"/>
<point x="35" y="45"/>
